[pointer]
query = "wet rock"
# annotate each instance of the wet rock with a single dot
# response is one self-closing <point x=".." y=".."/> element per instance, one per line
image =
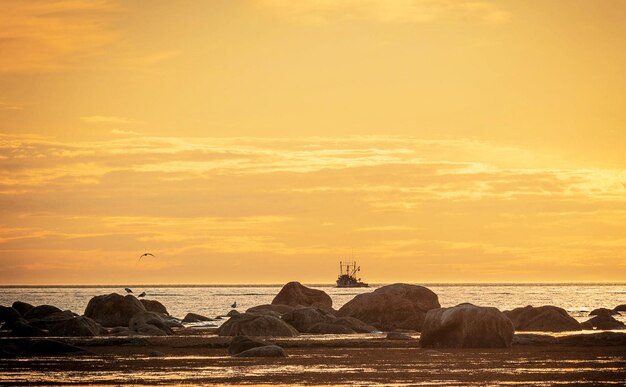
<point x="22" y="307"/>
<point x="533" y="339"/>
<point x="142" y="322"/>
<point x="41" y="311"/>
<point x="192" y="317"/>
<point x="323" y="328"/>
<point x="600" y="339"/>
<point x="466" y="326"/>
<point x="120" y="331"/>
<point x="304" y="318"/>
<point x="265" y="351"/>
<point x="52" y="319"/>
<point x="154" y="306"/>
<point x="243" y="343"/>
<point x="113" y="310"/>
<point x="9" y="314"/>
<point x="296" y="294"/>
<point x="76" y="326"/>
<point x="600" y="311"/>
<point x="248" y="324"/>
<point x="277" y="308"/>
<point x="604" y="322"/>
<point x="398" y="336"/>
<point x="21" y="328"/>
<point x="355" y="324"/>
<point x="157" y="354"/>
<point x="545" y="318"/>
<point x="232" y="313"/>
<point x="391" y="307"/>
<point x="620" y="308"/>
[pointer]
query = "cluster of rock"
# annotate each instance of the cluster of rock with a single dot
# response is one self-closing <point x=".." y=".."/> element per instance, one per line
<point x="297" y="309"/>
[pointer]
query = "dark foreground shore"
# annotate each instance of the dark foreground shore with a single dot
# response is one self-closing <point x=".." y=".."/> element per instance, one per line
<point x="322" y="360"/>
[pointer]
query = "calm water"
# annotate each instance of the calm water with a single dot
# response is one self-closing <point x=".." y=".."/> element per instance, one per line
<point x="577" y="299"/>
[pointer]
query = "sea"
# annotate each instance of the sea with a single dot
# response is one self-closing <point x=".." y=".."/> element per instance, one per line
<point x="217" y="300"/>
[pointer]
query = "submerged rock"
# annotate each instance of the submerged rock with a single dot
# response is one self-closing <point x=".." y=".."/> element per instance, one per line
<point x="113" y="310"/>
<point x="466" y="326"/>
<point x="249" y="324"/>
<point x="243" y="343"/>
<point x="533" y="339"/>
<point x="154" y="306"/>
<point x="398" y="336"/>
<point x="603" y="322"/>
<point x="545" y="318"/>
<point x="265" y="351"/>
<point x="193" y="317"/>
<point x="393" y="306"/>
<point x="601" y="311"/>
<point x="600" y="339"/>
<point x="296" y="294"/>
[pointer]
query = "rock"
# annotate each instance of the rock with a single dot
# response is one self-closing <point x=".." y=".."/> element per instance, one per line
<point x="243" y="343"/>
<point x="277" y="308"/>
<point x="355" y="324"/>
<point x="149" y="330"/>
<point x="266" y="351"/>
<point x="9" y="314"/>
<point x="154" y="306"/>
<point x="304" y="318"/>
<point x="142" y="321"/>
<point x="619" y="308"/>
<point x="53" y="348"/>
<point x="398" y="336"/>
<point x="232" y="313"/>
<point x="599" y="311"/>
<point x="41" y="311"/>
<point x="157" y="354"/>
<point x="52" y="319"/>
<point x="192" y="317"/>
<point x="393" y="306"/>
<point x="296" y="294"/>
<point x="120" y="331"/>
<point x="545" y="318"/>
<point x="533" y="339"/>
<point x="113" y="310"/>
<point x="76" y="326"/>
<point x="466" y="326"/>
<point x="22" y="307"/>
<point x="249" y="324"/>
<point x="604" y="322"/>
<point x="601" y="339"/>
<point x="21" y="328"/>
<point x="587" y="326"/>
<point x="323" y="328"/>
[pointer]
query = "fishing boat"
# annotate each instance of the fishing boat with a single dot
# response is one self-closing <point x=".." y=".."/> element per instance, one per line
<point x="347" y="276"/>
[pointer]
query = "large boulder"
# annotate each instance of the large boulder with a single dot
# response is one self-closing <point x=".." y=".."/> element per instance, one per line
<point x="22" y="307"/>
<point x="41" y="311"/>
<point x="113" y="310"/>
<point x="466" y="326"/>
<point x="296" y="294"/>
<point x="8" y="314"/>
<point x="243" y="343"/>
<point x="76" y="326"/>
<point x="604" y="322"/>
<point x="545" y="318"/>
<point x="265" y="351"/>
<point x="143" y="322"/>
<point x="21" y="328"/>
<point x="304" y="318"/>
<point x="270" y="309"/>
<point x="248" y="324"/>
<point x="154" y="306"/>
<point x="397" y="306"/>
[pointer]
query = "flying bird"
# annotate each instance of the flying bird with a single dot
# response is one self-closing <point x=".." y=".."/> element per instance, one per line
<point x="128" y="290"/>
<point x="146" y="255"/>
<point x="143" y="294"/>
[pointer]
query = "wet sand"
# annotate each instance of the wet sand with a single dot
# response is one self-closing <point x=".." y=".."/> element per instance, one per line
<point x="317" y="360"/>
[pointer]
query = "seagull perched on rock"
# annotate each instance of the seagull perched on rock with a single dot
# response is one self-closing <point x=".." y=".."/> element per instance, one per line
<point x="128" y="290"/>
<point x="143" y="294"/>
<point x="145" y="255"/>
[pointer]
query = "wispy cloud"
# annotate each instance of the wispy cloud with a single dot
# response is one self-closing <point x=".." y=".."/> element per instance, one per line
<point x="124" y="132"/>
<point x="8" y="106"/>
<point x="396" y="11"/>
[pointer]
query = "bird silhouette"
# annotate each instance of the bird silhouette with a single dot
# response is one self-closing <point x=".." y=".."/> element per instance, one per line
<point x="234" y="305"/>
<point x="145" y="255"/>
<point x="143" y="294"/>
<point x="128" y="290"/>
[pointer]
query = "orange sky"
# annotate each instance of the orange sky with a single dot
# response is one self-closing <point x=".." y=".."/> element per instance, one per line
<point x="259" y="141"/>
